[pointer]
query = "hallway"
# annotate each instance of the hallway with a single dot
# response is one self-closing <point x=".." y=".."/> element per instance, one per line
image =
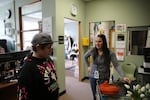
<point x="76" y="90"/>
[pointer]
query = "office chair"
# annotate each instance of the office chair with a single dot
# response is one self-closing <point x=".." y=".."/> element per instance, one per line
<point x="129" y="70"/>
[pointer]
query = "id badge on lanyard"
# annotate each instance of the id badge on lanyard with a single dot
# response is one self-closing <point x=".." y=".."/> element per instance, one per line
<point x="96" y="74"/>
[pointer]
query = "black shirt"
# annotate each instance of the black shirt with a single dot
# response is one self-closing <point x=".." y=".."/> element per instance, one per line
<point x="37" y="80"/>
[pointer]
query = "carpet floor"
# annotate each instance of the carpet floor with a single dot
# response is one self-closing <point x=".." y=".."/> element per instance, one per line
<point x="76" y="90"/>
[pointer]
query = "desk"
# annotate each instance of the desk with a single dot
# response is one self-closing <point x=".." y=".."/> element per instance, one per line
<point x="8" y="91"/>
<point x="143" y="77"/>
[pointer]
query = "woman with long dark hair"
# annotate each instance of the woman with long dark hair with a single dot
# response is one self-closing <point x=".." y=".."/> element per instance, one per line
<point x="102" y="56"/>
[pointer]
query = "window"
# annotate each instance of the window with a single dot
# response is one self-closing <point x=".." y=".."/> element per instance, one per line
<point x="31" y="18"/>
<point x="137" y="38"/>
<point x="30" y="28"/>
<point x="2" y="27"/>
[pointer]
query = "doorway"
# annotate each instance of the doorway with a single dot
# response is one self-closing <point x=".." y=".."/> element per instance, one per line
<point x="71" y="42"/>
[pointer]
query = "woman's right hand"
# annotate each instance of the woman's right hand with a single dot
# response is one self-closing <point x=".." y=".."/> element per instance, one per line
<point x="127" y="79"/>
<point x="89" y="69"/>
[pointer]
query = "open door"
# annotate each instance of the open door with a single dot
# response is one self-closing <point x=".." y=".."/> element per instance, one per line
<point x="71" y="42"/>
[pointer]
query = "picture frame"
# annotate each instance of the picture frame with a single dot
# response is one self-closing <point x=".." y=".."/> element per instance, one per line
<point x="120" y="28"/>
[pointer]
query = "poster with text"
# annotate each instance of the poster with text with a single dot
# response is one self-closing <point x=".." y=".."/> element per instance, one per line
<point x="120" y="54"/>
<point x="47" y="25"/>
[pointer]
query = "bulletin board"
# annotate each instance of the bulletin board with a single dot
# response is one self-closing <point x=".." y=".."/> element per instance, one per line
<point x="102" y="27"/>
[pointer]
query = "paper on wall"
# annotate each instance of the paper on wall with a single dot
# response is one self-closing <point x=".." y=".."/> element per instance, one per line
<point x="47" y="25"/>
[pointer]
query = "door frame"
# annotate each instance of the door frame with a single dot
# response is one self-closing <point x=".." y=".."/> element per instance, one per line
<point x="79" y="45"/>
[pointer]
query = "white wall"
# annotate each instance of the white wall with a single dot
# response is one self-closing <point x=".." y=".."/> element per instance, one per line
<point x="72" y="30"/>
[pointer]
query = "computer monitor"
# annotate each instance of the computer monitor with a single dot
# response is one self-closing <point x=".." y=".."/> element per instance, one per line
<point x="10" y="56"/>
<point x="146" y="65"/>
<point x="146" y="52"/>
<point x="3" y="44"/>
<point x="9" y="66"/>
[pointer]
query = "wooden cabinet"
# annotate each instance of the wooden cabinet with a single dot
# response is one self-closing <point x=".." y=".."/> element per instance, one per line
<point x="10" y="64"/>
<point x="8" y="91"/>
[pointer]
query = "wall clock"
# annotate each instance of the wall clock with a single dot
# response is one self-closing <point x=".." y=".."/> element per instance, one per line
<point x="8" y="13"/>
<point x="74" y="10"/>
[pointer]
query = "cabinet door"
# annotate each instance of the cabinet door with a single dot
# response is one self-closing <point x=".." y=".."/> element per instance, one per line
<point x="143" y="78"/>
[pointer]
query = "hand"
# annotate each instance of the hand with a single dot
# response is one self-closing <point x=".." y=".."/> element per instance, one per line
<point x="89" y="69"/>
<point x="127" y="79"/>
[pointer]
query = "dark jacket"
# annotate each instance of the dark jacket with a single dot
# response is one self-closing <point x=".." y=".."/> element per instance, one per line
<point x="37" y="80"/>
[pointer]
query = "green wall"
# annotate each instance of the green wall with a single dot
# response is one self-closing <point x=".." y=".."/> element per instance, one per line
<point x="63" y="8"/>
<point x="129" y="12"/>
